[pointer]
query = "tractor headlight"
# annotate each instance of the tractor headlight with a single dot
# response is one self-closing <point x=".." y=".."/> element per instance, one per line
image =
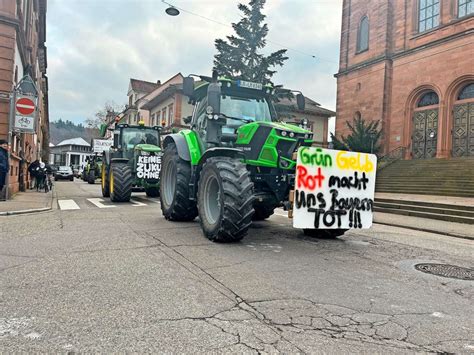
<point x="283" y="133"/>
<point x="306" y="136"/>
<point x="292" y="134"/>
<point x="144" y="153"/>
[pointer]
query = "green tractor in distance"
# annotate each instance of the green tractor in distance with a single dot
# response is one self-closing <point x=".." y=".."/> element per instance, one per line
<point x="92" y="168"/>
<point x="132" y="163"/>
<point x="235" y="164"/>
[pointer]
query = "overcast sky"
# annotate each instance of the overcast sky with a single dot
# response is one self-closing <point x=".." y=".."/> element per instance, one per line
<point x="96" y="46"/>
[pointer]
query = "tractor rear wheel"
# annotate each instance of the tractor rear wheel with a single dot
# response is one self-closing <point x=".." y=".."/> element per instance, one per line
<point x="225" y="199"/>
<point x="105" y="181"/>
<point x="174" y="187"/>
<point x="91" y="177"/>
<point x="324" y="233"/>
<point x="152" y="191"/>
<point x="263" y="212"/>
<point x="120" y="182"/>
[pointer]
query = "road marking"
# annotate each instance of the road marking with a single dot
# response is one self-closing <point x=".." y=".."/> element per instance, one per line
<point x="98" y="202"/>
<point x="68" y="205"/>
<point x="136" y="203"/>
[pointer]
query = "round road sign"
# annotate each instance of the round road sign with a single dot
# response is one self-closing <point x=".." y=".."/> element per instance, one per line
<point x="25" y="106"/>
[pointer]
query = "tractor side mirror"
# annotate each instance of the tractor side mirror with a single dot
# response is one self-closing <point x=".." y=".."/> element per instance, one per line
<point x="103" y="129"/>
<point x="214" y="97"/>
<point x="188" y="86"/>
<point x="187" y="119"/>
<point x="300" y="102"/>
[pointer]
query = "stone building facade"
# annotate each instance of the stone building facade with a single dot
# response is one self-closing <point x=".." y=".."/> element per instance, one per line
<point x="410" y="64"/>
<point x="23" y="52"/>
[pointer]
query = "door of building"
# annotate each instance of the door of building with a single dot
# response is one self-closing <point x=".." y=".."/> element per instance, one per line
<point x="425" y="134"/>
<point x="463" y="130"/>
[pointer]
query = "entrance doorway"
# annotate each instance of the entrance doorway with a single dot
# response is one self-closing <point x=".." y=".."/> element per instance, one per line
<point x="463" y="123"/>
<point x="425" y="127"/>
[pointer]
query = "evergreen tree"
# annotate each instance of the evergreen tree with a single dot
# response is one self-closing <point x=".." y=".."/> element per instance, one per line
<point x="364" y="137"/>
<point x="239" y="56"/>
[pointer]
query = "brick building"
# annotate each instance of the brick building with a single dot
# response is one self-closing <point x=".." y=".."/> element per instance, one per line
<point x="23" y="52"/>
<point x="410" y="64"/>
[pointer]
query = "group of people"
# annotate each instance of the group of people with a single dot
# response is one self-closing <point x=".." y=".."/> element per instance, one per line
<point x="38" y="170"/>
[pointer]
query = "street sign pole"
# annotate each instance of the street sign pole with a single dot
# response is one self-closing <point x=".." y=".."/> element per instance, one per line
<point x="11" y="117"/>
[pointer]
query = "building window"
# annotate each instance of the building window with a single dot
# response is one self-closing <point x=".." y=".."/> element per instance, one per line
<point x="428" y="15"/>
<point x="465" y="7"/>
<point x="467" y="92"/>
<point x="170" y="115"/>
<point x="428" y="99"/>
<point x="363" y="35"/>
<point x="163" y="117"/>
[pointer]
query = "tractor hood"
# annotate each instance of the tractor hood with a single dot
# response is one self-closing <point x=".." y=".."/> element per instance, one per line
<point x="148" y="148"/>
<point x="285" y="127"/>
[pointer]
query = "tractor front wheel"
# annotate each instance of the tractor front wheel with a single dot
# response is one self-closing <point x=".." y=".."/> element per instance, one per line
<point x="263" y="212"/>
<point x="152" y="191"/>
<point x="120" y="182"/>
<point x="324" y="233"/>
<point x="174" y="187"/>
<point x="225" y="199"/>
<point x="91" y="177"/>
<point x="105" y="181"/>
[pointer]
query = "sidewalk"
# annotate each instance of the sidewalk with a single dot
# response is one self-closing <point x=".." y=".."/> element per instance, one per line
<point x="453" y="229"/>
<point x="27" y="202"/>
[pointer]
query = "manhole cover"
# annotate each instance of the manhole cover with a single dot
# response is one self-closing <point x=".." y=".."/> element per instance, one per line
<point x="445" y="270"/>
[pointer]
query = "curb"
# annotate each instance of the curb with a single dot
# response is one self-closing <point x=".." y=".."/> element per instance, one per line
<point x="454" y="235"/>
<point x="32" y="210"/>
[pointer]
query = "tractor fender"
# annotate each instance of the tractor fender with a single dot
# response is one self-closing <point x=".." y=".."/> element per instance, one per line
<point x="221" y="152"/>
<point x="180" y="143"/>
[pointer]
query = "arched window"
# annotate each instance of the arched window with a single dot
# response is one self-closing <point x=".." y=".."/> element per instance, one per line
<point x="428" y="99"/>
<point x="467" y="92"/>
<point x="363" y="35"/>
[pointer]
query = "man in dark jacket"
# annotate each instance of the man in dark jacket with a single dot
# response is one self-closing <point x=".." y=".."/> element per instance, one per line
<point x="4" y="164"/>
<point x="32" y="171"/>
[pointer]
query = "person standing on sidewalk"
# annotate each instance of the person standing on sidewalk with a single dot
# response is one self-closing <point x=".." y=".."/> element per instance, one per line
<point x="4" y="165"/>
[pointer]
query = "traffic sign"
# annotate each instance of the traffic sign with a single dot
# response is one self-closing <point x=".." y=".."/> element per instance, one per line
<point x="25" y="106"/>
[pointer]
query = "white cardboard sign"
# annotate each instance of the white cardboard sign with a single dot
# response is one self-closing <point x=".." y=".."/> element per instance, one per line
<point x="334" y="189"/>
<point x="101" y="145"/>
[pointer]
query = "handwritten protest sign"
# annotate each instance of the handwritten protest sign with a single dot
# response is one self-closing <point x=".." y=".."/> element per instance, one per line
<point x="334" y="189"/>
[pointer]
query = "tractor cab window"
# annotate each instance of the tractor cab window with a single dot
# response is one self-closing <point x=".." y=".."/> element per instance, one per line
<point x="132" y="137"/>
<point x="244" y="110"/>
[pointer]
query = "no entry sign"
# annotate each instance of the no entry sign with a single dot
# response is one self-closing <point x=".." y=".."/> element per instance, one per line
<point x="25" y="106"/>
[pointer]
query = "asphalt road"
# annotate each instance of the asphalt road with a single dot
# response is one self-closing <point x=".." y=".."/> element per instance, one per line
<point x="97" y="276"/>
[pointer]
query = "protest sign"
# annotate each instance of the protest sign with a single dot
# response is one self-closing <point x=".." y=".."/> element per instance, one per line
<point x="149" y="166"/>
<point x="334" y="189"/>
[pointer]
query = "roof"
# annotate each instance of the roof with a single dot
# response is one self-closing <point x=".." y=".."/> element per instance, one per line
<point x="51" y="144"/>
<point x="143" y="86"/>
<point x="170" y="90"/>
<point x="74" y="141"/>
<point x="311" y="107"/>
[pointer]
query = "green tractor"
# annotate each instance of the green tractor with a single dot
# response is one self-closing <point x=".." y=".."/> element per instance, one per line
<point x="92" y="168"/>
<point x="236" y="164"/>
<point x="132" y="163"/>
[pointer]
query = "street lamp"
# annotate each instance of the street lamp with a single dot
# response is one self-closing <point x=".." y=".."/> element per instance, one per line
<point x="171" y="10"/>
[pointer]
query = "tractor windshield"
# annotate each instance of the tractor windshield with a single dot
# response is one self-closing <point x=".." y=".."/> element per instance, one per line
<point x="133" y="136"/>
<point x="244" y="110"/>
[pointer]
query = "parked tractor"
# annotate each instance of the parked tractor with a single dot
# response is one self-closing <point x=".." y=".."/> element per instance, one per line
<point x="92" y="168"/>
<point x="236" y="164"/>
<point x="132" y="163"/>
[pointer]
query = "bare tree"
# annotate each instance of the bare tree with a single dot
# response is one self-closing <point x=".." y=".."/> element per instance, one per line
<point x="100" y="115"/>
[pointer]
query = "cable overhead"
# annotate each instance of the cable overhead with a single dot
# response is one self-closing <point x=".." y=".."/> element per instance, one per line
<point x="269" y="41"/>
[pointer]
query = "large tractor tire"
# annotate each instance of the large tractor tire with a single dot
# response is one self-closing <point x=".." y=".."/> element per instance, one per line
<point x="174" y="187"/>
<point x="263" y="212"/>
<point x="324" y="233"/>
<point x="120" y="182"/>
<point x="105" y="181"/>
<point x="225" y="199"/>
<point x="152" y="191"/>
<point x="91" y="177"/>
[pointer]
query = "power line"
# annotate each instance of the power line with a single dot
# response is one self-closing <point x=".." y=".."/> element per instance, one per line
<point x="269" y="41"/>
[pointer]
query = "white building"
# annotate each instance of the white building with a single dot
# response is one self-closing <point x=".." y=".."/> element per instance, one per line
<point x="70" y="152"/>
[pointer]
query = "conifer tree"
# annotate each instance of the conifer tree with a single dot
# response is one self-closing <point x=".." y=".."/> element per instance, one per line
<point x="363" y="137"/>
<point x="239" y="56"/>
